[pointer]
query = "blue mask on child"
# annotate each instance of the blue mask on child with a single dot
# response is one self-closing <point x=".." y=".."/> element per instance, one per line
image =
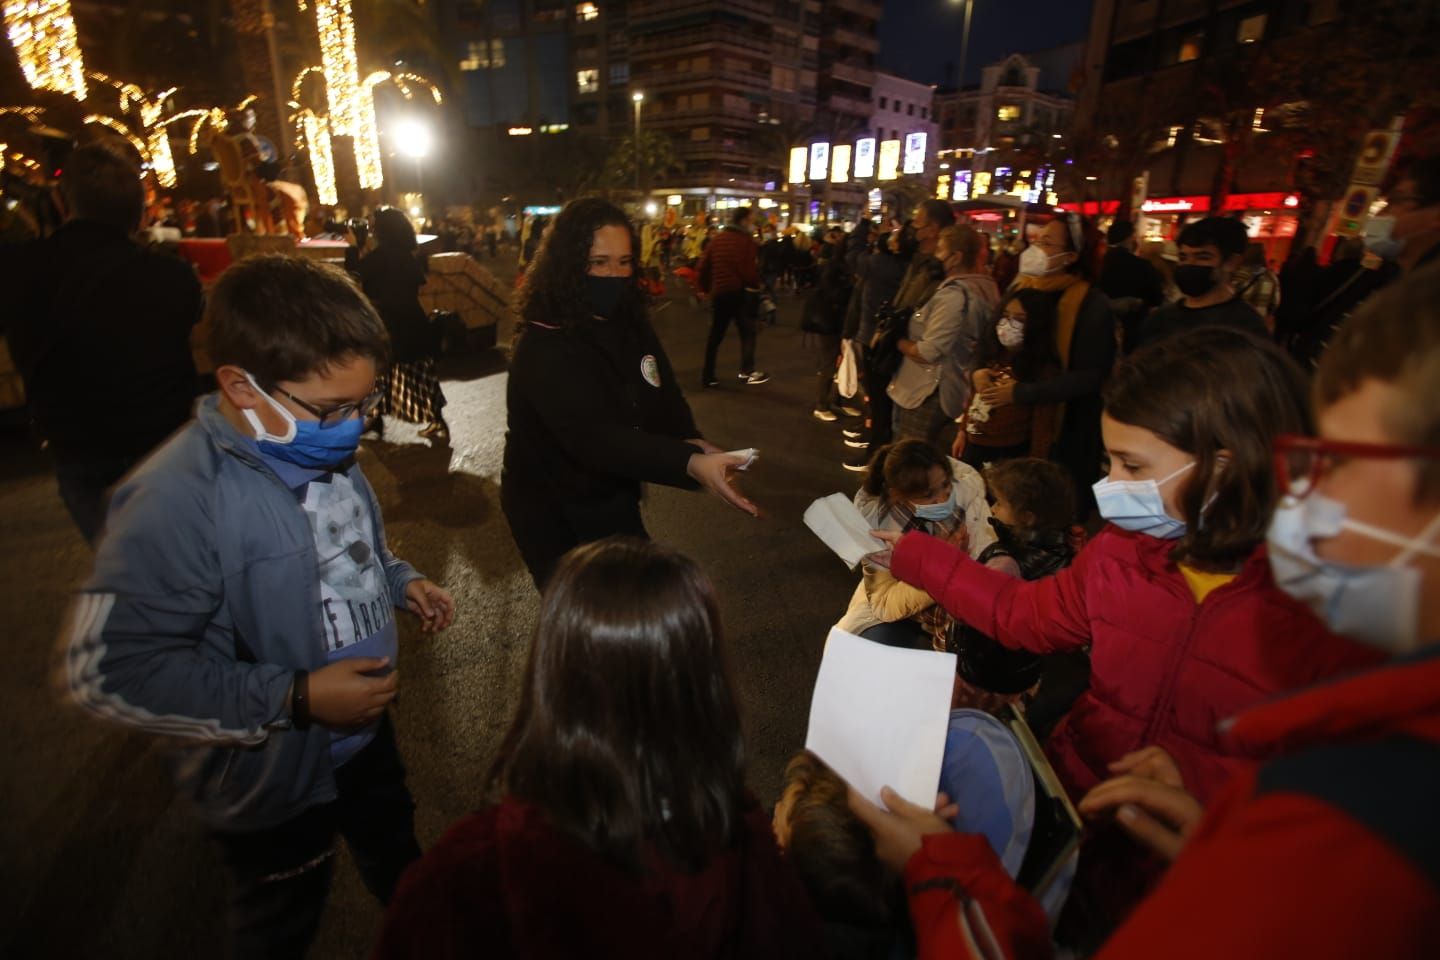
<point x="936" y="512"/>
<point x="1138" y="506"/>
<point x="305" y="443"/>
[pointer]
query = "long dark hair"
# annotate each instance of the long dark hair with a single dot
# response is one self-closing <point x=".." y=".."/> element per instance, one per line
<point x="554" y="290"/>
<point x="1207" y="390"/>
<point x="1037" y="352"/>
<point x="393" y="230"/>
<point x="627" y="735"/>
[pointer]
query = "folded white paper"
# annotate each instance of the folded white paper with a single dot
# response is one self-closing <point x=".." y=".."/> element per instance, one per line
<point x="749" y="453"/>
<point x="879" y="715"/>
<point x="837" y="521"/>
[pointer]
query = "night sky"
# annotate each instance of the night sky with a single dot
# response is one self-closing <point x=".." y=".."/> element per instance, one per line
<point x="919" y="37"/>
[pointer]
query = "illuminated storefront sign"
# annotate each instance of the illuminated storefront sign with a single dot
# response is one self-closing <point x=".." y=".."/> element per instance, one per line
<point x="864" y="158"/>
<point x="914" y="153"/>
<point x="819" y="160"/>
<point x="942" y="187"/>
<point x="798" y="156"/>
<point x="840" y="163"/>
<point x="889" y="159"/>
<point x="961" y="187"/>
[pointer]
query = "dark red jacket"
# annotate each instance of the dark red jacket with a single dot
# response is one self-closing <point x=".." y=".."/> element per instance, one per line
<point x="503" y="883"/>
<point x="1332" y="849"/>
<point x="1164" y="669"/>
<point x="731" y="262"/>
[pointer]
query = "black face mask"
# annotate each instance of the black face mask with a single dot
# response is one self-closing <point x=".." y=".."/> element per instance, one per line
<point x="604" y="293"/>
<point x="1195" y="280"/>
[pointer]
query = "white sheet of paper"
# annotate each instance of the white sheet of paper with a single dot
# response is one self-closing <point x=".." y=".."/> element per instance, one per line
<point x="749" y="453"/>
<point x="837" y="521"/>
<point x="879" y="715"/>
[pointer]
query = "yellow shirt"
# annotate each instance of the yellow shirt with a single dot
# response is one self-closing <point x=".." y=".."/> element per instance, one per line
<point x="1203" y="583"/>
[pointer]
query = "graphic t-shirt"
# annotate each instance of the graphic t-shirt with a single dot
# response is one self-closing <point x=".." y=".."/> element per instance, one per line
<point x="355" y="605"/>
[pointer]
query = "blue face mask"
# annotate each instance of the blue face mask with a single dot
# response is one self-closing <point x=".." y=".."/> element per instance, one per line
<point x="936" y="512"/>
<point x="305" y="443"/>
<point x="1137" y="505"/>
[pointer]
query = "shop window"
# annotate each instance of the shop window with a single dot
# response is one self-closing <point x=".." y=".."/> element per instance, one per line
<point x="1252" y="29"/>
<point x="1009" y="113"/>
<point x="586" y="11"/>
<point x="587" y="81"/>
<point x="1191" y="48"/>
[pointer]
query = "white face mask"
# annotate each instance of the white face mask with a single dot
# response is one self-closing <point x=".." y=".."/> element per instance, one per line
<point x="1379" y="606"/>
<point x="1138" y="506"/>
<point x="1035" y="262"/>
<point x="1010" y="332"/>
<point x="1380" y="239"/>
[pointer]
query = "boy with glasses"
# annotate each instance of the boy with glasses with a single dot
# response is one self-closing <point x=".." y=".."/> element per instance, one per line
<point x="1332" y="848"/>
<point x="242" y="605"/>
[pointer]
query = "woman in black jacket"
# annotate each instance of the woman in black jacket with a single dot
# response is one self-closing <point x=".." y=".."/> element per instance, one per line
<point x="593" y="406"/>
<point x="391" y="276"/>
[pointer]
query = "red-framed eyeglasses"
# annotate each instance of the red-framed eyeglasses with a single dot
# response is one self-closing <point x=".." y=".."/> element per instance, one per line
<point x="1302" y="462"/>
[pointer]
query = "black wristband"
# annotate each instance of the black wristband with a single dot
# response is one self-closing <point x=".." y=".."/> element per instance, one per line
<point x="300" y="700"/>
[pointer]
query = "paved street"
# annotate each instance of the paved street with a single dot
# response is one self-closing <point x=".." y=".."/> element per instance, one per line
<point x="98" y="860"/>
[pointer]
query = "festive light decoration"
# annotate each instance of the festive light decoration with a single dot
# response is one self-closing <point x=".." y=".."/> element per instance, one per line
<point x="352" y="110"/>
<point x="322" y="161"/>
<point x="43" y="34"/>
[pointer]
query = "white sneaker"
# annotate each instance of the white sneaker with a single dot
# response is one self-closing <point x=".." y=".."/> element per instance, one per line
<point x="757" y="377"/>
<point x="820" y="413"/>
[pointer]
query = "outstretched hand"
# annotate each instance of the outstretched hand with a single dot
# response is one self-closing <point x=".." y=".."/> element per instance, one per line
<point x="430" y="602"/>
<point x="713" y="472"/>
<point x="883" y="556"/>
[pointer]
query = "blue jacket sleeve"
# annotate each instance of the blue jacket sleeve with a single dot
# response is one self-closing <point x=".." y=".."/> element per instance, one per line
<point x="145" y="643"/>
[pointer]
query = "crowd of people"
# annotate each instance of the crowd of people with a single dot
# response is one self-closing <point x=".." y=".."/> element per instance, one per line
<point x="1225" y="643"/>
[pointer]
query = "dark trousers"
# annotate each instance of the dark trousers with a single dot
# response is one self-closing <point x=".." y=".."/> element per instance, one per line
<point x="727" y="307"/>
<point x="544" y="534"/>
<point x="827" y="360"/>
<point x="85" y="489"/>
<point x="280" y="877"/>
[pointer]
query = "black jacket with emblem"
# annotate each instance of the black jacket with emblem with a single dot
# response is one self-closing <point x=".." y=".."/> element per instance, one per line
<point x="593" y="411"/>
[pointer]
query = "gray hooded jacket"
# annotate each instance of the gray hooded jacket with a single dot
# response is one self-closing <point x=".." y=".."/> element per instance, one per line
<point x="204" y="601"/>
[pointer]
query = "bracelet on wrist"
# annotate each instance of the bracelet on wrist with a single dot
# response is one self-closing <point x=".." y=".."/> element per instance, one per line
<point x="300" y="700"/>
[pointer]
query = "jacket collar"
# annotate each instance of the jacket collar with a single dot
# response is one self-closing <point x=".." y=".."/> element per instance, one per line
<point x="1400" y="696"/>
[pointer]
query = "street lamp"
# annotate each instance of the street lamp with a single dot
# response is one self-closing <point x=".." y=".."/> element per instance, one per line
<point x="637" y="98"/>
<point x="413" y="139"/>
<point x="969" y="6"/>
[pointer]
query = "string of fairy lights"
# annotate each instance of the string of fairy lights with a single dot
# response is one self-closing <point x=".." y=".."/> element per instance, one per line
<point x="47" y="46"/>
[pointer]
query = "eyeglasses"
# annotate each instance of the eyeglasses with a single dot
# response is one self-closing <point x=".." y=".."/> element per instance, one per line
<point x="339" y="413"/>
<point x="1302" y="462"/>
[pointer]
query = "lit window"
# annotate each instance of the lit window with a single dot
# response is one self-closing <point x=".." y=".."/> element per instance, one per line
<point x="587" y="81"/>
<point x="586" y="11"/>
<point x="1008" y="113"/>
<point x="477" y="57"/>
<point x="1190" y="48"/>
<point x="1252" y="29"/>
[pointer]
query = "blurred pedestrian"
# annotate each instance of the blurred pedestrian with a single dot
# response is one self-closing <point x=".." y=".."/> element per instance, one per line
<point x="391" y="276"/>
<point x="99" y="327"/>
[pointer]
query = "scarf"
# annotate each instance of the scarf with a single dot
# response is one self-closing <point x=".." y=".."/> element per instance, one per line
<point x="1072" y="290"/>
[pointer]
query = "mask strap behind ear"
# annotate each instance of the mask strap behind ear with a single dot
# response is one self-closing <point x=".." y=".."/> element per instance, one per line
<point x="254" y="420"/>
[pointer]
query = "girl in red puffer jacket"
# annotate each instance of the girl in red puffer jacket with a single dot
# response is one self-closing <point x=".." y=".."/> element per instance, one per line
<point x="1173" y="597"/>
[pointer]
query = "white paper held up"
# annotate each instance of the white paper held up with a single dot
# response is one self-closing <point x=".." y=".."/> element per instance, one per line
<point x="843" y="528"/>
<point x="879" y="715"/>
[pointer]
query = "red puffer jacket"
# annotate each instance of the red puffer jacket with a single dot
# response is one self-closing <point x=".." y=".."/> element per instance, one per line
<point x="1164" y="669"/>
